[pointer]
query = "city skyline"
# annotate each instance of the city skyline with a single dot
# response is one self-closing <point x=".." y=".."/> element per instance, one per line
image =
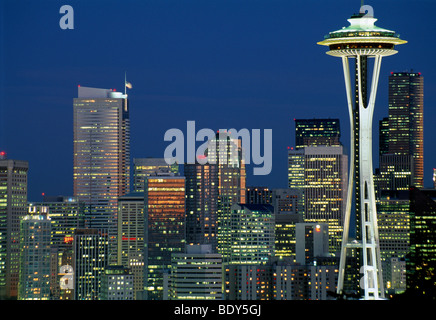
<point x="115" y="221"/>
<point x="245" y="60"/>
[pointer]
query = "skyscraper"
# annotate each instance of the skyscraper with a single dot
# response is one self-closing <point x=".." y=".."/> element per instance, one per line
<point x="251" y="234"/>
<point x="202" y="197"/>
<point x="131" y="237"/>
<point x="145" y="167"/>
<point x="13" y="206"/>
<point x="406" y="120"/>
<point x="66" y="215"/>
<point x="312" y="241"/>
<point x="383" y="134"/>
<point x="101" y="155"/>
<point x="227" y="153"/>
<point x="321" y="173"/>
<point x="394" y="230"/>
<point x="35" y="234"/>
<point x="288" y="211"/>
<point x="164" y="225"/>
<point x="317" y="132"/>
<point x="89" y="263"/>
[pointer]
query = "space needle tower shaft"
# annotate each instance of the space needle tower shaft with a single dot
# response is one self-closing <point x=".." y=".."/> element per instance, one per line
<point x="356" y="45"/>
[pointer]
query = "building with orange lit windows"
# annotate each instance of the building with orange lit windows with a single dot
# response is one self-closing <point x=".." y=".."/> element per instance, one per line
<point x="164" y="226"/>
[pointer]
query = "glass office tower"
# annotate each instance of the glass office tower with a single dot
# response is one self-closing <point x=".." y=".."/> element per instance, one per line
<point x="406" y="120"/>
<point x="101" y="155"/>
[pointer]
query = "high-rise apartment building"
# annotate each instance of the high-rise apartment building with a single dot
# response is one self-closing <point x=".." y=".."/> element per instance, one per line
<point x="131" y="237"/>
<point x="13" y="206"/>
<point x="145" y="167"/>
<point x="317" y="132"/>
<point x="164" y="225"/>
<point x="35" y="234"/>
<point x="406" y="120"/>
<point x="101" y="155"/>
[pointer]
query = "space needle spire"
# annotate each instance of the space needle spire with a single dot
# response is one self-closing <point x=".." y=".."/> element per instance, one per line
<point x="356" y="44"/>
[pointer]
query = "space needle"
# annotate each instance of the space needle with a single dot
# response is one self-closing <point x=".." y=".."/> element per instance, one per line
<point x="356" y="44"/>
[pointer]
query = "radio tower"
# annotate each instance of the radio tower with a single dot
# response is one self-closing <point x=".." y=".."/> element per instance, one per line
<point x="359" y="41"/>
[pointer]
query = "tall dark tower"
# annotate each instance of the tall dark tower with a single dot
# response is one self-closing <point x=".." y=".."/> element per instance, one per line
<point x="360" y="42"/>
<point x="406" y="120"/>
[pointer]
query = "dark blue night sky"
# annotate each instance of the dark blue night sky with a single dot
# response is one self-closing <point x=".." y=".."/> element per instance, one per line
<point x="237" y="64"/>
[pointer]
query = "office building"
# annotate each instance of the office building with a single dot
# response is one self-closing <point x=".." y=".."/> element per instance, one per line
<point x="258" y="195"/>
<point x="395" y="173"/>
<point x="66" y="215"/>
<point x="164" y="225"/>
<point x="303" y="282"/>
<point x="394" y="232"/>
<point x="317" y="132"/>
<point x="35" y="234"/>
<point x="406" y="120"/>
<point x="202" y="198"/>
<point x="13" y="206"/>
<point x="145" y="167"/>
<point x="396" y="276"/>
<point x="421" y="259"/>
<point x="91" y="256"/>
<point x="383" y="135"/>
<point x="117" y="283"/>
<point x="131" y="238"/>
<point x="251" y="233"/>
<point x="247" y="282"/>
<point x="321" y="172"/>
<point x="196" y="274"/>
<point x="288" y="211"/>
<point x="101" y="156"/>
<point x="228" y="153"/>
<point x="312" y="241"/>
